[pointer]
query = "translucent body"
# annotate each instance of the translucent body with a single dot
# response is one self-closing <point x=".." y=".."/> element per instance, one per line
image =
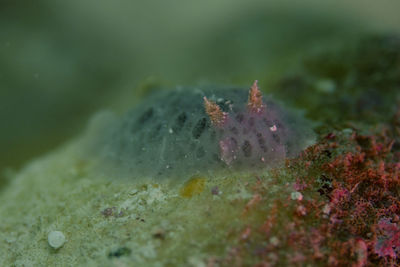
<point x="170" y="134"/>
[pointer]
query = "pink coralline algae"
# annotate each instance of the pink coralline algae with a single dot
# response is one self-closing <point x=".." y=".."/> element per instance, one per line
<point x="388" y="242"/>
<point x="255" y="133"/>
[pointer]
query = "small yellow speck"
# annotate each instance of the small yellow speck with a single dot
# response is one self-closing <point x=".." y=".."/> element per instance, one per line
<point x="194" y="186"/>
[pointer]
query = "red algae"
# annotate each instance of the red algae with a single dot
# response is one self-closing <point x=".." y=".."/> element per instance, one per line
<point x="348" y="215"/>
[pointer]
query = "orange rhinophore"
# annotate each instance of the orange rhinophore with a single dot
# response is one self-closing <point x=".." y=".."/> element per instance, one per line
<point x="255" y="102"/>
<point x="217" y="116"/>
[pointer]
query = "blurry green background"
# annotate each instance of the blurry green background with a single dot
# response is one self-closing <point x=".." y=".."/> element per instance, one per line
<point x="60" y="61"/>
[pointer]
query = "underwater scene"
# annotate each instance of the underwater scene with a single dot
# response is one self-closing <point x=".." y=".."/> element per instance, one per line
<point x="199" y="133"/>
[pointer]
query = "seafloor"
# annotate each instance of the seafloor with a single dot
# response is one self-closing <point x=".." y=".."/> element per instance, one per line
<point x="337" y="203"/>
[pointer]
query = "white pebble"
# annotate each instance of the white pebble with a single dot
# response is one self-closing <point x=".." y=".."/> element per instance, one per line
<point x="56" y="239"/>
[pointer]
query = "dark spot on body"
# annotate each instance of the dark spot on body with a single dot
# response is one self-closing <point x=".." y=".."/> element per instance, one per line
<point x="146" y="116"/>
<point x="276" y="138"/>
<point x="246" y="148"/>
<point x="179" y="122"/>
<point x="239" y="117"/>
<point x="261" y="142"/>
<point x="199" y="128"/>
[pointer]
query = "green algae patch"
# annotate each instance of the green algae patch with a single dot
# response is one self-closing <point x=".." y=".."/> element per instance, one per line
<point x="112" y="222"/>
<point x="194" y="186"/>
